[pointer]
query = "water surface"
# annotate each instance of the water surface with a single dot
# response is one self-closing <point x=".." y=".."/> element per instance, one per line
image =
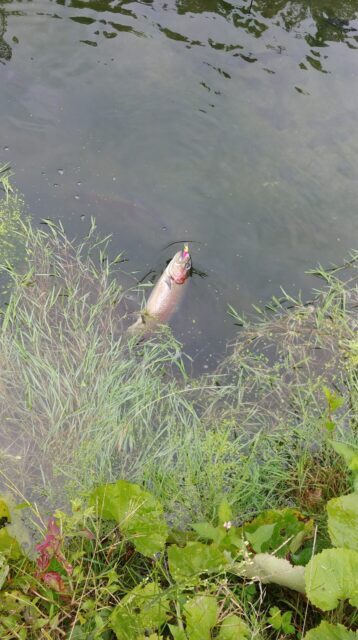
<point x="229" y="124"/>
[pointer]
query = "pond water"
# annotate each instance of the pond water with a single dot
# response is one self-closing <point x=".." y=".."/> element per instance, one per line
<point x="233" y="125"/>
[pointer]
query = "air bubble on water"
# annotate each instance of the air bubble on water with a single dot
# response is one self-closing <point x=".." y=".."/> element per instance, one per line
<point x="82" y="217"/>
<point x="60" y="171"/>
<point x="55" y="184"/>
<point x="79" y="183"/>
<point x="164" y="228"/>
<point x="6" y="148"/>
<point x="76" y="197"/>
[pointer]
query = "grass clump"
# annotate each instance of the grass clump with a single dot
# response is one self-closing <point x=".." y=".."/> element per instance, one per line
<point x="80" y="402"/>
<point x="11" y="217"/>
<point x="268" y="411"/>
<point x="83" y="404"/>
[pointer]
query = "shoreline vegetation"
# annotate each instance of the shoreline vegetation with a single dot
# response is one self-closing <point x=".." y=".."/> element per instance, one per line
<point x="229" y="494"/>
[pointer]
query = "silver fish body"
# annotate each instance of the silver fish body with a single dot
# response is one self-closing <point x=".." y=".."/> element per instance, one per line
<point x="167" y="294"/>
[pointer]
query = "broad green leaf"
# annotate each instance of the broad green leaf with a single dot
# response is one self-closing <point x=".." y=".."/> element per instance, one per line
<point x="78" y="633"/>
<point x="207" y="531"/>
<point x="343" y="521"/>
<point x="227" y="538"/>
<point x="39" y="623"/>
<point x="279" y="531"/>
<point x="303" y="556"/>
<point x="233" y="628"/>
<point x="334" y="401"/>
<point x="144" y="609"/>
<point x="235" y="537"/>
<point x="180" y="537"/>
<point x="138" y="513"/>
<point x="330" y="425"/>
<point x="349" y="452"/>
<point x="331" y="576"/>
<point x="194" y="559"/>
<point x="177" y="633"/>
<point x="261" y="536"/>
<point x="327" y="631"/>
<point x="201" y="613"/>
<point x="275" y="618"/>
<point x="9" y="546"/>
<point x="286" y="625"/>
<point x="224" y="512"/>
<point x="233" y="542"/>
<point x="4" y="570"/>
<point x="4" y="512"/>
<point x="11" y="519"/>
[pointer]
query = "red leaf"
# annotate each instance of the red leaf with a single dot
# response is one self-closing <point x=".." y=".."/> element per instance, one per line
<point x="53" y="580"/>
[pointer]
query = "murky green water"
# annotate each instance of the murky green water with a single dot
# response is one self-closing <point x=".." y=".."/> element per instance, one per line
<point x="230" y="125"/>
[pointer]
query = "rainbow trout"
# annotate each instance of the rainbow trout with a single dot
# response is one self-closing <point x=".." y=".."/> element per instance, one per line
<point x="167" y="293"/>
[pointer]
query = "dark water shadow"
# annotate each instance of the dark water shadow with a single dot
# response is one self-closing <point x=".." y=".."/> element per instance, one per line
<point x="5" y="48"/>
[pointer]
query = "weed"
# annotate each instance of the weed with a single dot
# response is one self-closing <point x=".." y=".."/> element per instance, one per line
<point x="81" y="404"/>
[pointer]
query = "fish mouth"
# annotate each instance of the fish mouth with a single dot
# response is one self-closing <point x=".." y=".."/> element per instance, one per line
<point x="185" y="266"/>
<point x="181" y="266"/>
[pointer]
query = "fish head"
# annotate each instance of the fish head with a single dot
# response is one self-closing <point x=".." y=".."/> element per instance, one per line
<point x="180" y="266"/>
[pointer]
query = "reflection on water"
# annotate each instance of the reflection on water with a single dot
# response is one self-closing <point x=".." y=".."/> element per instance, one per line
<point x="317" y="22"/>
<point x="232" y="123"/>
<point x="256" y="18"/>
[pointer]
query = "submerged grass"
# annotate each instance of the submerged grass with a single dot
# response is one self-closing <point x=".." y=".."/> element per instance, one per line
<point x="11" y="216"/>
<point x="82" y="404"/>
<point x="266" y="414"/>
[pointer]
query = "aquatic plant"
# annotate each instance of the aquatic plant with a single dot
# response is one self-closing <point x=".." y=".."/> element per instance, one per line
<point x="11" y="217"/>
<point x="79" y="399"/>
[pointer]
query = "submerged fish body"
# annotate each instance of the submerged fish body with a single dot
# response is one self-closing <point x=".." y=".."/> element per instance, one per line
<point x="167" y="293"/>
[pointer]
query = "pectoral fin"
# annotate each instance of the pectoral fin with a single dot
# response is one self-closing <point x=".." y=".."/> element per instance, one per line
<point x="168" y="281"/>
